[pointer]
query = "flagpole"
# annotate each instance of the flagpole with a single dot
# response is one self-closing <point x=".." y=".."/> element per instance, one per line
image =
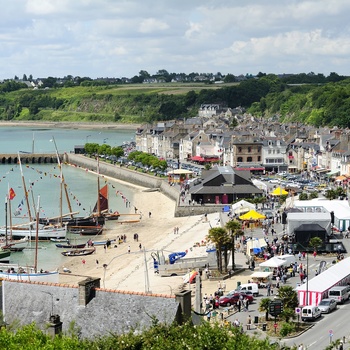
<point x="9" y="210"/>
<point x="6" y="200"/>
<point x="25" y="189"/>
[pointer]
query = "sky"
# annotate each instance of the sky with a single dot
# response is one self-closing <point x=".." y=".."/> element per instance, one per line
<point x="119" y="38"/>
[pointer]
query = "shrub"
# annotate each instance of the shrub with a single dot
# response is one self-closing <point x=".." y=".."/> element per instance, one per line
<point x="287" y="328"/>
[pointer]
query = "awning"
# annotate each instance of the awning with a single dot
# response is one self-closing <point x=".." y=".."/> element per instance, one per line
<point x="251" y="169"/>
<point x="333" y="173"/>
<point x="197" y="159"/>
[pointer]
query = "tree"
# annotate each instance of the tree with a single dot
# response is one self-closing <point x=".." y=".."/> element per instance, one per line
<point x="288" y="296"/>
<point x="24" y="77"/>
<point x="264" y="306"/>
<point x="235" y="229"/>
<point x="315" y="242"/>
<point x="219" y="236"/>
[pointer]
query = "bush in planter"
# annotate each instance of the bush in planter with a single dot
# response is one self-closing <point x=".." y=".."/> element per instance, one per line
<point x="287" y="328"/>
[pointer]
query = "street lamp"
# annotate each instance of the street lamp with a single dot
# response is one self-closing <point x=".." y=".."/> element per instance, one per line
<point x="307" y="273"/>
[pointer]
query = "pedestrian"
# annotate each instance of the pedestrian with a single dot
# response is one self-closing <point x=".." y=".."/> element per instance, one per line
<point x="149" y="214"/>
<point x="249" y="322"/>
<point x="239" y="305"/>
<point x="268" y="289"/>
<point x="84" y="262"/>
<point x="314" y="254"/>
<point x="177" y="230"/>
<point x="223" y="286"/>
<point x="140" y="246"/>
<point x="246" y="304"/>
<point x="208" y="316"/>
<point x="174" y="230"/>
<point x="129" y="249"/>
<point x="105" y="248"/>
<point x="97" y="262"/>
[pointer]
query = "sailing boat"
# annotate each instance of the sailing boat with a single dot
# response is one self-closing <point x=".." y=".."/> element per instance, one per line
<point x="15" y="272"/>
<point x="27" y="230"/>
<point x="9" y="244"/>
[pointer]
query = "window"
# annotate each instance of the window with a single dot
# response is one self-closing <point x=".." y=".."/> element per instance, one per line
<point x="259" y="159"/>
<point x="249" y="150"/>
<point x="249" y="159"/>
<point x="239" y="159"/>
<point x="259" y="149"/>
<point x="239" y="149"/>
<point x="269" y="151"/>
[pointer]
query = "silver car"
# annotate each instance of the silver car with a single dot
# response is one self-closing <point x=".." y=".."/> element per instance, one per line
<point x="327" y="305"/>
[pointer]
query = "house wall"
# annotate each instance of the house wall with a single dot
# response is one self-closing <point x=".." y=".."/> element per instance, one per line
<point x="110" y="311"/>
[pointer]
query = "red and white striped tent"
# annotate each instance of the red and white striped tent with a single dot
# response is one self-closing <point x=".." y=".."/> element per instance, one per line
<point x="317" y="288"/>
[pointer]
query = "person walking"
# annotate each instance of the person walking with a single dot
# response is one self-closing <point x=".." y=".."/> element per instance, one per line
<point x="129" y="249"/>
<point x="249" y="322"/>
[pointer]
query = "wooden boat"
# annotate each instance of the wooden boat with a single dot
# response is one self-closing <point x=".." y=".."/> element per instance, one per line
<point x="79" y="252"/>
<point x="5" y="256"/>
<point x="71" y="246"/>
<point x="58" y="240"/>
<point x="103" y="242"/>
<point x="86" y="230"/>
<point x="30" y="273"/>
<point x="44" y="232"/>
<point x="16" y="245"/>
<point x="17" y="273"/>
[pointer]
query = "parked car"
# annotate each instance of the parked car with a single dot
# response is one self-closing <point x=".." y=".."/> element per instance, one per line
<point x="327" y="305"/>
<point x="310" y="313"/>
<point x="231" y="299"/>
<point x="269" y="214"/>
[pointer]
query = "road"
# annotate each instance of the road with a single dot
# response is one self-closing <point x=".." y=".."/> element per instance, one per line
<point x="318" y="337"/>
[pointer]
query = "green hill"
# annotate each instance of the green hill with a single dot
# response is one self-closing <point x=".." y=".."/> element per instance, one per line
<point x="313" y="103"/>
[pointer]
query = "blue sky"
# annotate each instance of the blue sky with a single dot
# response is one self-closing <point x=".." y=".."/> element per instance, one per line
<point x="118" y="38"/>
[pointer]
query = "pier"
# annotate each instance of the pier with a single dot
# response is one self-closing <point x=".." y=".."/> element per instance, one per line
<point x="30" y="158"/>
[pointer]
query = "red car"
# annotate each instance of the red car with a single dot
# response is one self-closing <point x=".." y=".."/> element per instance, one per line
<point x="231" y="299"/>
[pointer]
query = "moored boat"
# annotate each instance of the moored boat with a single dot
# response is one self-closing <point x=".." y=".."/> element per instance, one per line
<point x="79" y="252"/>
<point x="44" y="232"/>
<point x="17" y="273"/>
<point x="104" y="242"/>
<point x="87" y="230"/>
<point x="70" y="246"/>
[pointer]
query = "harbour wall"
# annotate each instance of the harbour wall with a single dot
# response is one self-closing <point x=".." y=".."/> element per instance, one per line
<point x="29" y="158"/>
<point x="144" y="180"/>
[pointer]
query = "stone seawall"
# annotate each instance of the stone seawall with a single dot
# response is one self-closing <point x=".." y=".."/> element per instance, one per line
<point x="144" y="180"/>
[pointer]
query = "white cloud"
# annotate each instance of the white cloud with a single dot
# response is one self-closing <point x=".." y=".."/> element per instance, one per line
<point x="120" y="38"/>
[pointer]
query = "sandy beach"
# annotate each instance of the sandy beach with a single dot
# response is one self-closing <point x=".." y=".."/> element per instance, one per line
<point x="126" y="271"/>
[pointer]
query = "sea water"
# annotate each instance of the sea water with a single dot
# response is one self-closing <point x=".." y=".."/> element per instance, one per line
<point x="43" y="184"/>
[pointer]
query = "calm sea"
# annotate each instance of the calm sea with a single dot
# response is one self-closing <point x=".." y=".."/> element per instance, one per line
<point x="44" y="181"/>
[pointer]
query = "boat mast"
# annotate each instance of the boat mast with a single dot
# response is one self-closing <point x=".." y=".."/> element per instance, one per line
<point x="37" y="236"/>
<point x="25" y="189"/>
<point x="63" y="184"/>
<point x="98" y="187"/>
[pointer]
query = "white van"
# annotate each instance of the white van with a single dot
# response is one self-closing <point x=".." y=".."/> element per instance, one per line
<point x="249" y="287"/>
<point x="339" y="293"/>
<point x="310" y="313"/>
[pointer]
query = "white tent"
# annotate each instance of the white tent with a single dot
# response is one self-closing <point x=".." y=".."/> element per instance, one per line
<point x="242" y="207"/>
<point x="255" y="244"/>
<point x="272" y="263"/>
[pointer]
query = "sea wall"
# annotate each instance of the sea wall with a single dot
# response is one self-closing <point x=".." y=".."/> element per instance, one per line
<point x="144" y="180"/>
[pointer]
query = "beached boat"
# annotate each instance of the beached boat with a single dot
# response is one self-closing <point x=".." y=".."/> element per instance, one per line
<point x="79" y="252"/>
<point x="70" y="246"/>
<point x="104" y="242"/>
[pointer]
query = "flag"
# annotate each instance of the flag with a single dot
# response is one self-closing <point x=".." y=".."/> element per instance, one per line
<point x="12" y="194"/>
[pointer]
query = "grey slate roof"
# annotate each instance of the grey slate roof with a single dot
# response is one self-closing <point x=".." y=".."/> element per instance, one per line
<point x="108" y="312"/>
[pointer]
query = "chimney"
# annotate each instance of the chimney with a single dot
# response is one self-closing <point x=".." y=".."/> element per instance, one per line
<point x="184" y="310"/>
<point x="87" y="290"/>
<point x="54" y="325"/>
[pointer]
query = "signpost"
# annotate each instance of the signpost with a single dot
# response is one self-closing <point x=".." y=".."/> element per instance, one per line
<point x="275" y="309"/>
<point x="330" y="336"/>
<point x="298" y="311"/>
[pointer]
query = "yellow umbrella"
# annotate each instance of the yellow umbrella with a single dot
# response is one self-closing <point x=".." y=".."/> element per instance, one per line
<point x="279" y="191"/>
<point x="252" y="215"/>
